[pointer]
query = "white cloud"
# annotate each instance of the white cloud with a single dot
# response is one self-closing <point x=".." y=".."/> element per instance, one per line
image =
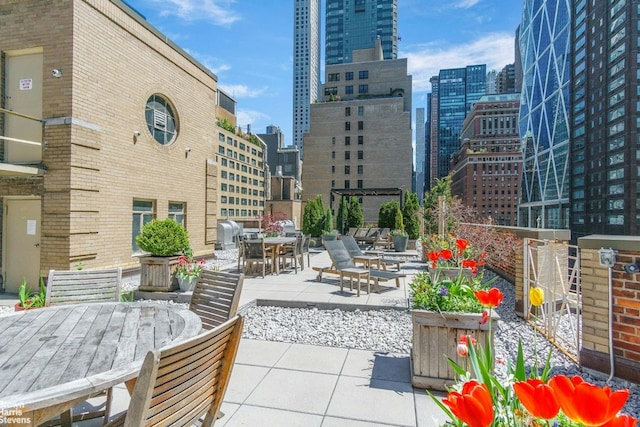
<point x="466" y="4"/>
<point x="256" y="119"/>
<point x="215" y="65"/>
<point x="243" y="91"/>
<point x="217" y="11"/>
<point x="425" y="61"/>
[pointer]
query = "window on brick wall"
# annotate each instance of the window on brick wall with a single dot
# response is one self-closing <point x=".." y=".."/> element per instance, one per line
<point x="143" y="212"/>
<point x="161" y="120"/>
<point x="178" y="213"/>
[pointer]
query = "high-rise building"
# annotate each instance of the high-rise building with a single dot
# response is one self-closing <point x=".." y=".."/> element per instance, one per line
<point x="281" y="160"/>
<point x="605" y="145"/>
<point x="360" y="137"/>
<point x="433" y="133"/>
<point x="459" y="89"/>
<point x="427" y="149"/>
<point x="491" y="82"/>
<point x="420" y="154"/>
<point x="545" y="50"/>
<point x="506" y="80"/>
<point x="487" y="170"/>
<point x="306" y="64"/>
<point x="356" y="25"/>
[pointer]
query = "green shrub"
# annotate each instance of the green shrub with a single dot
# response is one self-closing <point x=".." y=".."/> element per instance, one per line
<point x="313" y="217"/>
<point x="387" y="214"/>
<point x="328" y="222"/>
<point x="411" y="215"/>
<point x="355" y="218"/>
<point x="163" y="238"/>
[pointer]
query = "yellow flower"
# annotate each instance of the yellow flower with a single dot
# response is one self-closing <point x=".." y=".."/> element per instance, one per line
<point x="536" y="296"/>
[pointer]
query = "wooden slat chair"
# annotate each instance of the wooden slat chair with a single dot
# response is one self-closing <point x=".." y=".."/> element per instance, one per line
<point x="255" y="252"/>
<point x="306" y="245"/>
<point x="354" y="250"/>
<point x="294" y="253"/>
<point x="180" y="384"/>
<point x="79" y="287"/>
<point x="216" y="296"/>
<point x="83" y="286"/>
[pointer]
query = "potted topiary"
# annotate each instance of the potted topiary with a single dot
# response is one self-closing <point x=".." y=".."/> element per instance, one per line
<point x="328" y="233"/>
<point x="399" y="237"/>
<point x="164" y="240"/>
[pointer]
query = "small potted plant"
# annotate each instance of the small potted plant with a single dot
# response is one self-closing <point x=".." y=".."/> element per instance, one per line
<point x="188" y="271"/>
<point x="27" y="299"/>
<point x="165" y="240"/>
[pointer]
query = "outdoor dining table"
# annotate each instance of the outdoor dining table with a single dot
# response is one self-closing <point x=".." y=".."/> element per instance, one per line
<point x="276" y="243"/>
<point x="53" y="358"/>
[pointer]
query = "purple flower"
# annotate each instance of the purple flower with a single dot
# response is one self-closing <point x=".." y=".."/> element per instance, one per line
<point x="443" y="291"/>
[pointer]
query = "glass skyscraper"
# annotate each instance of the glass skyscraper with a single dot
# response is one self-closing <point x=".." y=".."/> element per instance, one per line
<point x="306" y="64"/>
<point x="356" y="24"/>
<point x="458" y="90"/>
<point x="545" y="50"/>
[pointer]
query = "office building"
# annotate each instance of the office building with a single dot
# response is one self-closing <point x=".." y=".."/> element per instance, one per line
<point x="487" y="170"/>
<point x="605" y="145"/>
<point x="356" y="24"/>
<point x="282" y="160"/>
<point x="506" y="80"/>
<point x="545" y="50"/>
<point x="360" y="136"/>
<point x="432" y="147"/>
<point x="421" y="157"/>
<point x="306" y="64"/>
<point x="491" y="82"/>
<point x="458" y="90"/>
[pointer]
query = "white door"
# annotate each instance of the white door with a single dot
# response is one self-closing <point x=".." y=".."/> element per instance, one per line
<point x="22" y="243"/>
<point x="23" y="94"/>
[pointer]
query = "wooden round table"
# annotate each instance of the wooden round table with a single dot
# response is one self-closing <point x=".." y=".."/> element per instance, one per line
<point x="53" y="358"/>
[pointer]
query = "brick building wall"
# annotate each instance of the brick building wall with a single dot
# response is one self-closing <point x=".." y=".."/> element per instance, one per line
<point x="595" y="352"/>
<point x="112" y="61"/>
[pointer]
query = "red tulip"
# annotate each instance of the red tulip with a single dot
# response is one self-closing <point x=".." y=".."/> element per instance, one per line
<point x="538" y="398"/>
<point x="491" y="298"/>
<point x="473" y="405"/>
<point x="446" y="254"/>
<point x="586" y="403"/>
<point x="485" y="317"/>
<point x="462" y="350"/>
<point x="622" y="420"/>
<point x="434" y="256"/>
<point x="462" y="244"/>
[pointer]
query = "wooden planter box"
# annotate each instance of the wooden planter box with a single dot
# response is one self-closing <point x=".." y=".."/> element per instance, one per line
<point x="436" y="335"/>
<point x="158" y="273"/>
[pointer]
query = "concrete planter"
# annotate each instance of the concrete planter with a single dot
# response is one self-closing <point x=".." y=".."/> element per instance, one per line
<point x="437" y="334"/>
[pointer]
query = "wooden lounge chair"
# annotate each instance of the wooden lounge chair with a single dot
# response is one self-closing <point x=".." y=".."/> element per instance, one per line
<point x="341" y="260"/>
<point x="181" y="383"/>
<point x="355" y="251"/>
<point x="216" y="296"/>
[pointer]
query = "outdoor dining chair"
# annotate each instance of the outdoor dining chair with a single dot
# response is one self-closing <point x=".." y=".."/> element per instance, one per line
<point x="255" y="252"/>
<point x="294" y="253"/>
<point x="182" y="383"/>
<point x="216" y="296"/>
<point x="79" y="287"/>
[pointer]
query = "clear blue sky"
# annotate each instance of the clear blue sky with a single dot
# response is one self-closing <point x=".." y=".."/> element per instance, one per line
<point x="248" y="45"/>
